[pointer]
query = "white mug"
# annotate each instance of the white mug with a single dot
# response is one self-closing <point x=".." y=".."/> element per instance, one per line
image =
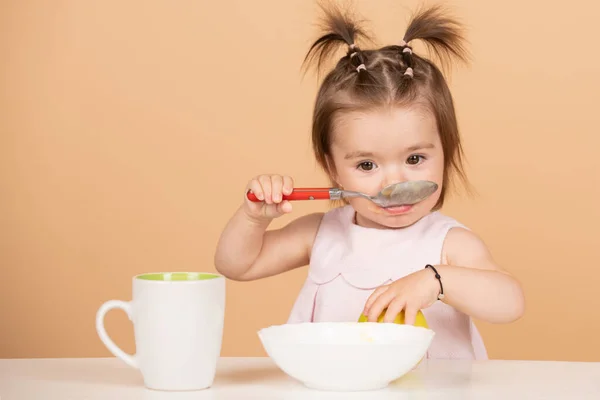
<point x="178" y="326"/>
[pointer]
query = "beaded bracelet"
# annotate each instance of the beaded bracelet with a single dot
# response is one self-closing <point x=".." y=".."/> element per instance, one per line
<point x="439" y="278"/>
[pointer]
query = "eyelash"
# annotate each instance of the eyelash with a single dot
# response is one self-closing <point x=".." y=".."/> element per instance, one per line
<point x="420" y="156"/>
<point x="366" y="162"/>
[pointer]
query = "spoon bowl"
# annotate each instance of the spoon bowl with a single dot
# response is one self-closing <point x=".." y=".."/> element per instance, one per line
<point x="404" y="193"/>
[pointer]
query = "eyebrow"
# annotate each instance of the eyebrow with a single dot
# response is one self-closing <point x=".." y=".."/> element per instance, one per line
<point x="358" y="154"/>
<point x="421" y="146"/>
<point x="367" y="154"/>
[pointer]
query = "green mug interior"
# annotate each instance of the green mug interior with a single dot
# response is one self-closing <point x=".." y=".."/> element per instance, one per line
<point x="177" y="276"/>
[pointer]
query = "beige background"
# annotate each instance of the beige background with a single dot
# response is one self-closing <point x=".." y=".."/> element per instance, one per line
<point x="129" y="129"/>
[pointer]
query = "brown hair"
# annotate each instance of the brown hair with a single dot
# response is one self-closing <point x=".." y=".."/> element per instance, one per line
<point x="391" y="75"/>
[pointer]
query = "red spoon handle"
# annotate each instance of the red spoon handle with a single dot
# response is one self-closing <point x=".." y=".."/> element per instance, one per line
<point x="299" y="194"/>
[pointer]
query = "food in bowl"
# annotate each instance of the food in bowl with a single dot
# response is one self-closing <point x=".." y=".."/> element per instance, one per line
<point x="346" y="356"/>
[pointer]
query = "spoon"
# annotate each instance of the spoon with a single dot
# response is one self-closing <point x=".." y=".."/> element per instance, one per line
<point x="396" y="194"/>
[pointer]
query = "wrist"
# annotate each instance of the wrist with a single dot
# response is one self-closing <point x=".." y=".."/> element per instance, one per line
<point x="258" y="221"/>
<point x="437" y="280"/>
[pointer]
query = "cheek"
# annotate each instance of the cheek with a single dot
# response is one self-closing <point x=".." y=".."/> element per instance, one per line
<point x="434" y="169"/>
<point x="439" y="163"/>
<point x="368" y="184"/>
<point x="374" y="209"/>
<point x="353" y="179"/>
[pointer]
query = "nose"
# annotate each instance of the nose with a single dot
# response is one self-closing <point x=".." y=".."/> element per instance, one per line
<point x="393" y="179"/>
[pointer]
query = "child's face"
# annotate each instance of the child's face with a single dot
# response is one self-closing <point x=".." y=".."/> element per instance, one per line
<point x="375" y="148"/>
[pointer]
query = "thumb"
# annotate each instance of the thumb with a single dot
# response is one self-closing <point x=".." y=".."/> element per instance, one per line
<point x="277" y="210"/>
<point x="284" y="207"/>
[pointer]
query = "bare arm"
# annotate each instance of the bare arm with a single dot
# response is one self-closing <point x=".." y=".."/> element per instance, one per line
<point x="475" y="284"/>
<point x="247" y="251"/>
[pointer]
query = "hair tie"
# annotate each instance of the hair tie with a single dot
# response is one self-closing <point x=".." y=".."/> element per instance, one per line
<point x="361" y="66"/>
<point x="353" y="54"/>
<point x="409" y="72"/>
<point x="407" y="50"/>
<point x="439" y="278"/>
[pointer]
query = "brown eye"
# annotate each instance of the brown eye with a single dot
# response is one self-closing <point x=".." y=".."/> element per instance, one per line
<point x="414" y="159"/>
<point x="366" y="166"/>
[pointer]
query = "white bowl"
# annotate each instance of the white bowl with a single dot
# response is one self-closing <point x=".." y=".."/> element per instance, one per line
<point x="346" y="356"/>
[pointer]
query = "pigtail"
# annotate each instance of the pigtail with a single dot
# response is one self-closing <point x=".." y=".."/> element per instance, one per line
<point x="339" y="29"/>
<point x="393" y="75"/>
<point x="442" y="35"/>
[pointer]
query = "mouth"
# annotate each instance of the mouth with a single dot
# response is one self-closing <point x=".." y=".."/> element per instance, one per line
<point x="398" y="210"/>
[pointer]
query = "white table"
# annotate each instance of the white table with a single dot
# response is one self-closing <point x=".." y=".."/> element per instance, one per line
<point x="259" y="378"/>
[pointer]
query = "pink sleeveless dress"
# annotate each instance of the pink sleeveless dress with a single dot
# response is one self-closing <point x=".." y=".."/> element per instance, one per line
<point x="348" y="262"/>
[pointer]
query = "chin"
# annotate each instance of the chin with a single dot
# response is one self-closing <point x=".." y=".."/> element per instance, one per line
<point x="395" y="217"/>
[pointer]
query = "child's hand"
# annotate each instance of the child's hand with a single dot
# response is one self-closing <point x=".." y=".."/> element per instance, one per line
<point x="412" y="293"/>
<point x="270" y="189"/>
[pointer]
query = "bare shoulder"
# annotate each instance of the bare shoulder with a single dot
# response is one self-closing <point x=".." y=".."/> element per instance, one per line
<point x="464" y="248"/>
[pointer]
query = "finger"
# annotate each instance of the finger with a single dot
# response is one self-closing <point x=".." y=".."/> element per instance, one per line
<point x="265" y="182"/>
<point x="394" y="308"/>
<point x="276" y="188"/>
<point x="271" y="211"/>
<point x="288" y="185"/>
<point x="256" y="188"/>
<point x="284" y="207"/>
<point x="410" y="314"/>
<point x="380" y="304"/>
<point x="373" y="297"/>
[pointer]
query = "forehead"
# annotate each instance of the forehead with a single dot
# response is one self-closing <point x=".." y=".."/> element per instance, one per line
<point x="384" y="129"/>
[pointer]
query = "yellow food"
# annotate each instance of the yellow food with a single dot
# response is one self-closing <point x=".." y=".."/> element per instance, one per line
<point x="419" y="320"/>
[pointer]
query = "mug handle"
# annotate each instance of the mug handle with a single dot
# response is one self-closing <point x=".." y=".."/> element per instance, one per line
<point x="110" y="345"/>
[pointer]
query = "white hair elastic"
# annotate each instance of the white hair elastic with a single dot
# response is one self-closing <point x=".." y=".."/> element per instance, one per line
<point x="361" y="66"/>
